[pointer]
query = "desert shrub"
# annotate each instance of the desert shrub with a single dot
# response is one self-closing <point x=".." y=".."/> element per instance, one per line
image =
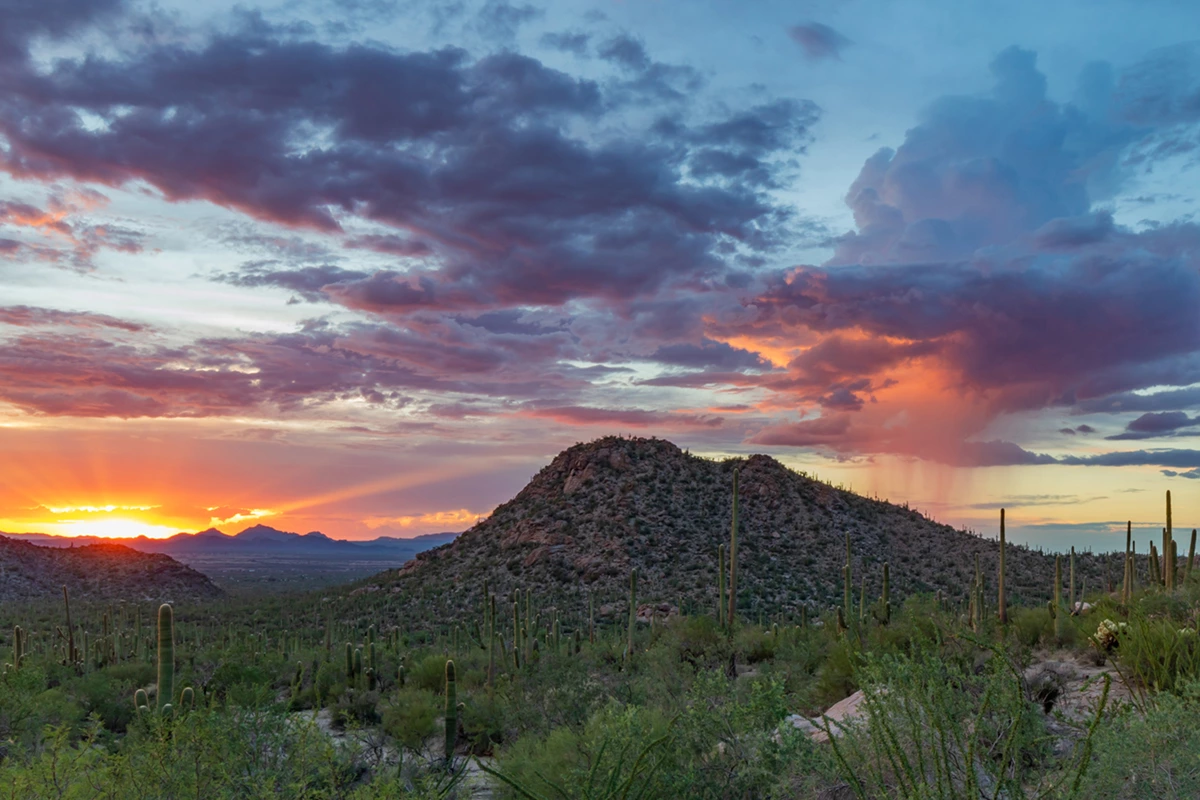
<point x="1150" y="754"/>
<point x="698" y="641"/>
<point x="1157" y="654"/>
<point x="356" y="707"/>
<point x="111" y="700"/>
<point x="241" y="684"/>
<point x="429" y="673"/>
<point x="408" y="716"/>
<point x="755" y="644"/>
<point x="935" y="729"/>
<point x="1031" y="626"/>
<point x="620" y="746"/>
<point x="483" y="722"/>
<point x="836" y="676"/>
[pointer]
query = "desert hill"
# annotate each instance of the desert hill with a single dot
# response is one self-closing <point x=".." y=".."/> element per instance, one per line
<point x="601" y="508"/>
<point x="98" y="571"/>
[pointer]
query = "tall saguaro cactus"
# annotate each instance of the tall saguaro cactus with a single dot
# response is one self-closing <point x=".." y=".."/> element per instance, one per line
<point x="1127" y="585"/>
<point x="721" y="586"/>
<point x="1187" y="568"/>
<point x="847" y="577"/>
<point x="451" y="736"/>
<point x="166" y="655"/>
<point x="632" y="612"/>
<point x="71" y="657"/>
<point x="733" y="527"/>
<point x="1071" y="585"/>
<point x="1056" y="605"/>
<point x="491" y="676"/>
<point x="1168" y="551"/>
<point x="1003" y="604"/>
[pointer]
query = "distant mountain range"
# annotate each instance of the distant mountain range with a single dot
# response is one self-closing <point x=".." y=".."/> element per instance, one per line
<point x="257" y="540"/>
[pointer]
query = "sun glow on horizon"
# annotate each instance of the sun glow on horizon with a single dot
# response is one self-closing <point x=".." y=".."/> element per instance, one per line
<point x="109" y="528"/>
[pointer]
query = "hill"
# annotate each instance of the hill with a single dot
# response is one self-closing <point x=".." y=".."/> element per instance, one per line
<point x="97" y="571"/>
<point x="599" y="509"/>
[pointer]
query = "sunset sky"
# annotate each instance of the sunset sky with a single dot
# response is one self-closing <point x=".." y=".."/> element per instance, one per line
<point x="364" y="267"/>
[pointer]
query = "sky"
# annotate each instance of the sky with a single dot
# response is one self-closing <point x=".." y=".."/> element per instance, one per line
<point x="365" y="267"/>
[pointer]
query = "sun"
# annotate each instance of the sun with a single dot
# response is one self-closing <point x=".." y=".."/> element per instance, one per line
<point x="112" y="528"/>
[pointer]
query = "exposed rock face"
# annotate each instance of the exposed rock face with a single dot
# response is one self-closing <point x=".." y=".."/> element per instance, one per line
<point x="599" y="509"/>
<point x="97" y="571"/>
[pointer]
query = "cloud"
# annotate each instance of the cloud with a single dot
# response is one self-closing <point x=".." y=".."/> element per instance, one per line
<point x="709" y="354"/>
<point x="981" y="280"/>
<point x="304" y="281"/>
<point x="819" y="41"/>
<point x="574" y="42"/>
<point x="1153" y="424"/>
<point x="627" y="418"/>
<point x="1179" y="458"/>
<point x="1191" y="474"/>
<point x="30" y="317"/>
<point x="64" y="236"/>
<point x="94" y="370"/>
<point x="475" y="164"/>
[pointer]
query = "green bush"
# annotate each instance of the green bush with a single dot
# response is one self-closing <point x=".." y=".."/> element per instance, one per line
<point x="408" y="716"/>
<point x="429" y="673"/>
<point x="1157" y="654"/>
<point x="1031" y="626"/>
<point x="755" y="644"/>
<point x="1151" y="754"/>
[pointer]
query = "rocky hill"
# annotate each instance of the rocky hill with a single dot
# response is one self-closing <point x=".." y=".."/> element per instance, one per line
<point x="98" y="571"/>
<point x="601" y="508"/>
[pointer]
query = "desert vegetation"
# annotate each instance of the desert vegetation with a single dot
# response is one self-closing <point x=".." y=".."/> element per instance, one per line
<point x="369" y="692"/>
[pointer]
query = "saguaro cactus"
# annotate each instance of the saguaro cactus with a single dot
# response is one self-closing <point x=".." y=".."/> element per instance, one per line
<point x="1000" y="599"/>
<point x="1127" y="584"/>
<point x="632" y="612"/>
<point x="847" y="577"/>
<point x="451" y="712"/>
<point x="1168" y="552"/>
<point x="516" y="608"/>
<point x="18" y="646"/>
<point x="1187" y="568"/>
<point x="71" y="656"/>
<point x="1056" y="609"/>
<point x="721" y="585"/>
<point x="491" y="676"/>
<point x="733" y="554"/>
<point x="887" y="603"/>
<point x="166" y="655"/>
<point x="1071" y="585"/>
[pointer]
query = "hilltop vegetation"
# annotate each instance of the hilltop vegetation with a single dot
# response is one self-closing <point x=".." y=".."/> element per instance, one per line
<point x="600" y="509"/>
